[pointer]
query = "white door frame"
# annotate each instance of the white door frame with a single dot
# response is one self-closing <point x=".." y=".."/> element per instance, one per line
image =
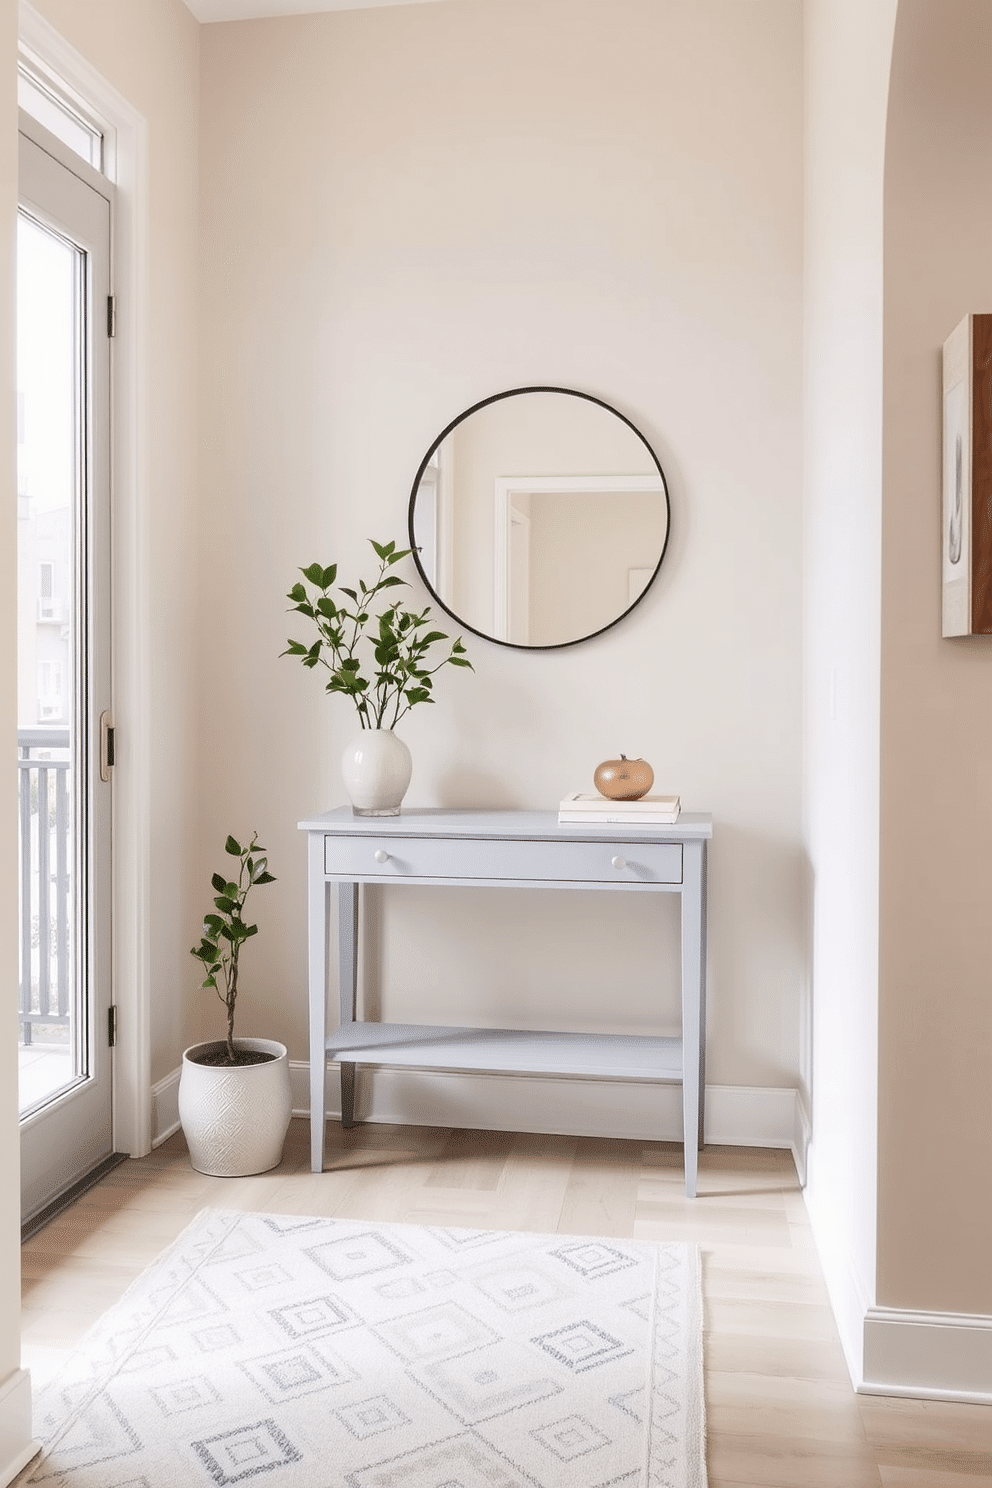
<point x="510" y="487"/>
<point x="125" y="163"/>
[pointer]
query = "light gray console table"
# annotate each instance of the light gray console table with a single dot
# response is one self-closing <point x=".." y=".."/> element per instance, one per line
<point x="512" y="849"/>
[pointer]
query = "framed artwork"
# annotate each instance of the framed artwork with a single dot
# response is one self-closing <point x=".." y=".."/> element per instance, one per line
<point x="966" y="505"/>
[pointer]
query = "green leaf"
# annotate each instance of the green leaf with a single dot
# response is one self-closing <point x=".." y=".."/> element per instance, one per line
<point x="294" y="648"/>
<point x="315" y="574"/>
<point x="264" y="878"/>
<point x="218" y="882"/>
<point x="250" y="930"/>
<point x="350" y="593"/>
<point x="380" y="551"/>
<point x="211" y="922"/>
<point x="395" y="557"/>
<point x="233" y="847"/>
<point x="328" y="575"/>
<point x="227" y="904"/>
<point x="297" y="594"/>
<point x="209" y="981"/>
<point x="461" y="661"/>
<point x="327" y="607"/>
<point x="351" y="664"/>
<point x="431" y="637"/>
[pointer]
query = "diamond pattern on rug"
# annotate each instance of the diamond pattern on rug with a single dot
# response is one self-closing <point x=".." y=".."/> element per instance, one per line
<point x="582" y="1345"/>
<point x="313" y="1316"/>
<point x="245" y="1452"/>
<point x="184" y="1395"/>
<point x="520" y="1286"/>
<point x="372" y="1417"/>
<point x="594" y="1258"/>
<point x="570" y="1438"/>
<point x="289" y="1374"/>
<point x="318" y="1353"/>
<point x="435" y="1333"/>
<point x="463" y="1463"/>
<point x="358" y="1255"/>
<point x="489" y="1383"/>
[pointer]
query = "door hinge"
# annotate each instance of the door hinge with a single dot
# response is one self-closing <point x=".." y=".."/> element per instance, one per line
<point x="111" y="315"/>
<point x="108" y="744"/>
<point x="112" y="1025"/>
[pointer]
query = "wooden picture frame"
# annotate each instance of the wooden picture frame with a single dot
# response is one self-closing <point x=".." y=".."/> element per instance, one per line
<point x="966" y="505"/>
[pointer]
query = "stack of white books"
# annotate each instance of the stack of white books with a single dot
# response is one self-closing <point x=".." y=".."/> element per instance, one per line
<point x="648" y="811"/>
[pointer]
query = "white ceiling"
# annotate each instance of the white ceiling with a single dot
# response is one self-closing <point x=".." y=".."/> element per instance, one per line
<point x="253" y="10"/>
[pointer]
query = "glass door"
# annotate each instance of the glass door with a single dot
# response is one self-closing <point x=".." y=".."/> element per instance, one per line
<point x="63" y="650"/>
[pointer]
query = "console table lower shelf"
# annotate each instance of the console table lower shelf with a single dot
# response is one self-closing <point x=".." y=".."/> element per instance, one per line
<point x="504" y="1051"/>
<point x="488" y="850"/>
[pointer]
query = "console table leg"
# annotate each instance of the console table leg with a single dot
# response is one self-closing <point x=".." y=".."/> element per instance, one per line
<point x="348" y="986"/>
<point x="319" y="902"/>
<point x="347" y="1094"/>
<point x="693" y="976"/>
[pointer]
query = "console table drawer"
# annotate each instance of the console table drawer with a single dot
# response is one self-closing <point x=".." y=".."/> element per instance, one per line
<point x="382" y="857"/>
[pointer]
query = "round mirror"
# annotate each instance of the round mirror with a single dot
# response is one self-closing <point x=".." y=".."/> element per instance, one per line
<point x="539" y="517"/>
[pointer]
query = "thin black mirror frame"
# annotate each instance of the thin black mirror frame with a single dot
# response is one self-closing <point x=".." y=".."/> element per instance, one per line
<point x="497" y="398"/>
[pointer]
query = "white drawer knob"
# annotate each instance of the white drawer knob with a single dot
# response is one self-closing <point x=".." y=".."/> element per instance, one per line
<point x="619" y="862"/>
<point x="382" y="857"/>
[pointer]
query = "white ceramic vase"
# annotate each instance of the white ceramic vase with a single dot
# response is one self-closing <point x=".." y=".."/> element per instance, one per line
<point x="235" y="1120"/>
<point x="376" y="769"/>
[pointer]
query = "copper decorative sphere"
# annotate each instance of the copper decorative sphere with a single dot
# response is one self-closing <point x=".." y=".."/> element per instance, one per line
<point x="623" y="779"/>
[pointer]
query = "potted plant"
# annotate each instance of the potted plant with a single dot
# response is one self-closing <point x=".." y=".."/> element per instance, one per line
<point x="380" y="659"/>
<point x="235" y="1101"/>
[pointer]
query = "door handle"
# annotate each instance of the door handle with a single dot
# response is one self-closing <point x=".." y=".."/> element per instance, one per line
<point x="107" y="744"/>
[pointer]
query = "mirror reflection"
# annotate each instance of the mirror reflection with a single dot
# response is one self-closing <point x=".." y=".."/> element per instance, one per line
<point x="539" y="517"/>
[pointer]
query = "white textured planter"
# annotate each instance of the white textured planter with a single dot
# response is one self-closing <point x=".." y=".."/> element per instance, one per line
<point x="376" y="769"/>
<point x="235" y="1120"/>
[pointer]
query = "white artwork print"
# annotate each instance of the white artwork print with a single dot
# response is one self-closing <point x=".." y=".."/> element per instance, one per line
<point x="955" y="516"/>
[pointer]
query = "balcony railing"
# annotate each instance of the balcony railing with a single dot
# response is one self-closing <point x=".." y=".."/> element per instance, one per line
<point x="45" y="888"/>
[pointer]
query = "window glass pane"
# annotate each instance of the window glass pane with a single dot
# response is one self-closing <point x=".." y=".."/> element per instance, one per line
<point x="49" y="280"/>
<point x="59" y="116"/>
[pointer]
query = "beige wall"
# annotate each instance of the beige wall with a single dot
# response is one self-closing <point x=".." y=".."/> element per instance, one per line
<point x="935" y="1008"/>
<point x="148" y="51"/>
<point x="403" y="211"/>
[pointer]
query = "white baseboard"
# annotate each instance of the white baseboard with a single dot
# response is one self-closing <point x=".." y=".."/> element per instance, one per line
<point x="889" y="1350"/>
<point x="848" y="1291"/>
<point x="801" y="1137"/>
<point x="928" y="1355"/>
<point x="736" y="1115"/>
<point x="17" y="1446"/>
<point x="165" y="1108"/>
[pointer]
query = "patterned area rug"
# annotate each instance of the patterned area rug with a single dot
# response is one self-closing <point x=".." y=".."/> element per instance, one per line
<point x="322" y="1353"/>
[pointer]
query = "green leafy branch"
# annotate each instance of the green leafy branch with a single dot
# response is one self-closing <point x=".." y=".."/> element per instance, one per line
<point x="225" y="932"/>
<point x="400" y="640"/>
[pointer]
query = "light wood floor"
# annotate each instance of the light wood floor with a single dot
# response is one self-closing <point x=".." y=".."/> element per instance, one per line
<point x="781" y="1411"/>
